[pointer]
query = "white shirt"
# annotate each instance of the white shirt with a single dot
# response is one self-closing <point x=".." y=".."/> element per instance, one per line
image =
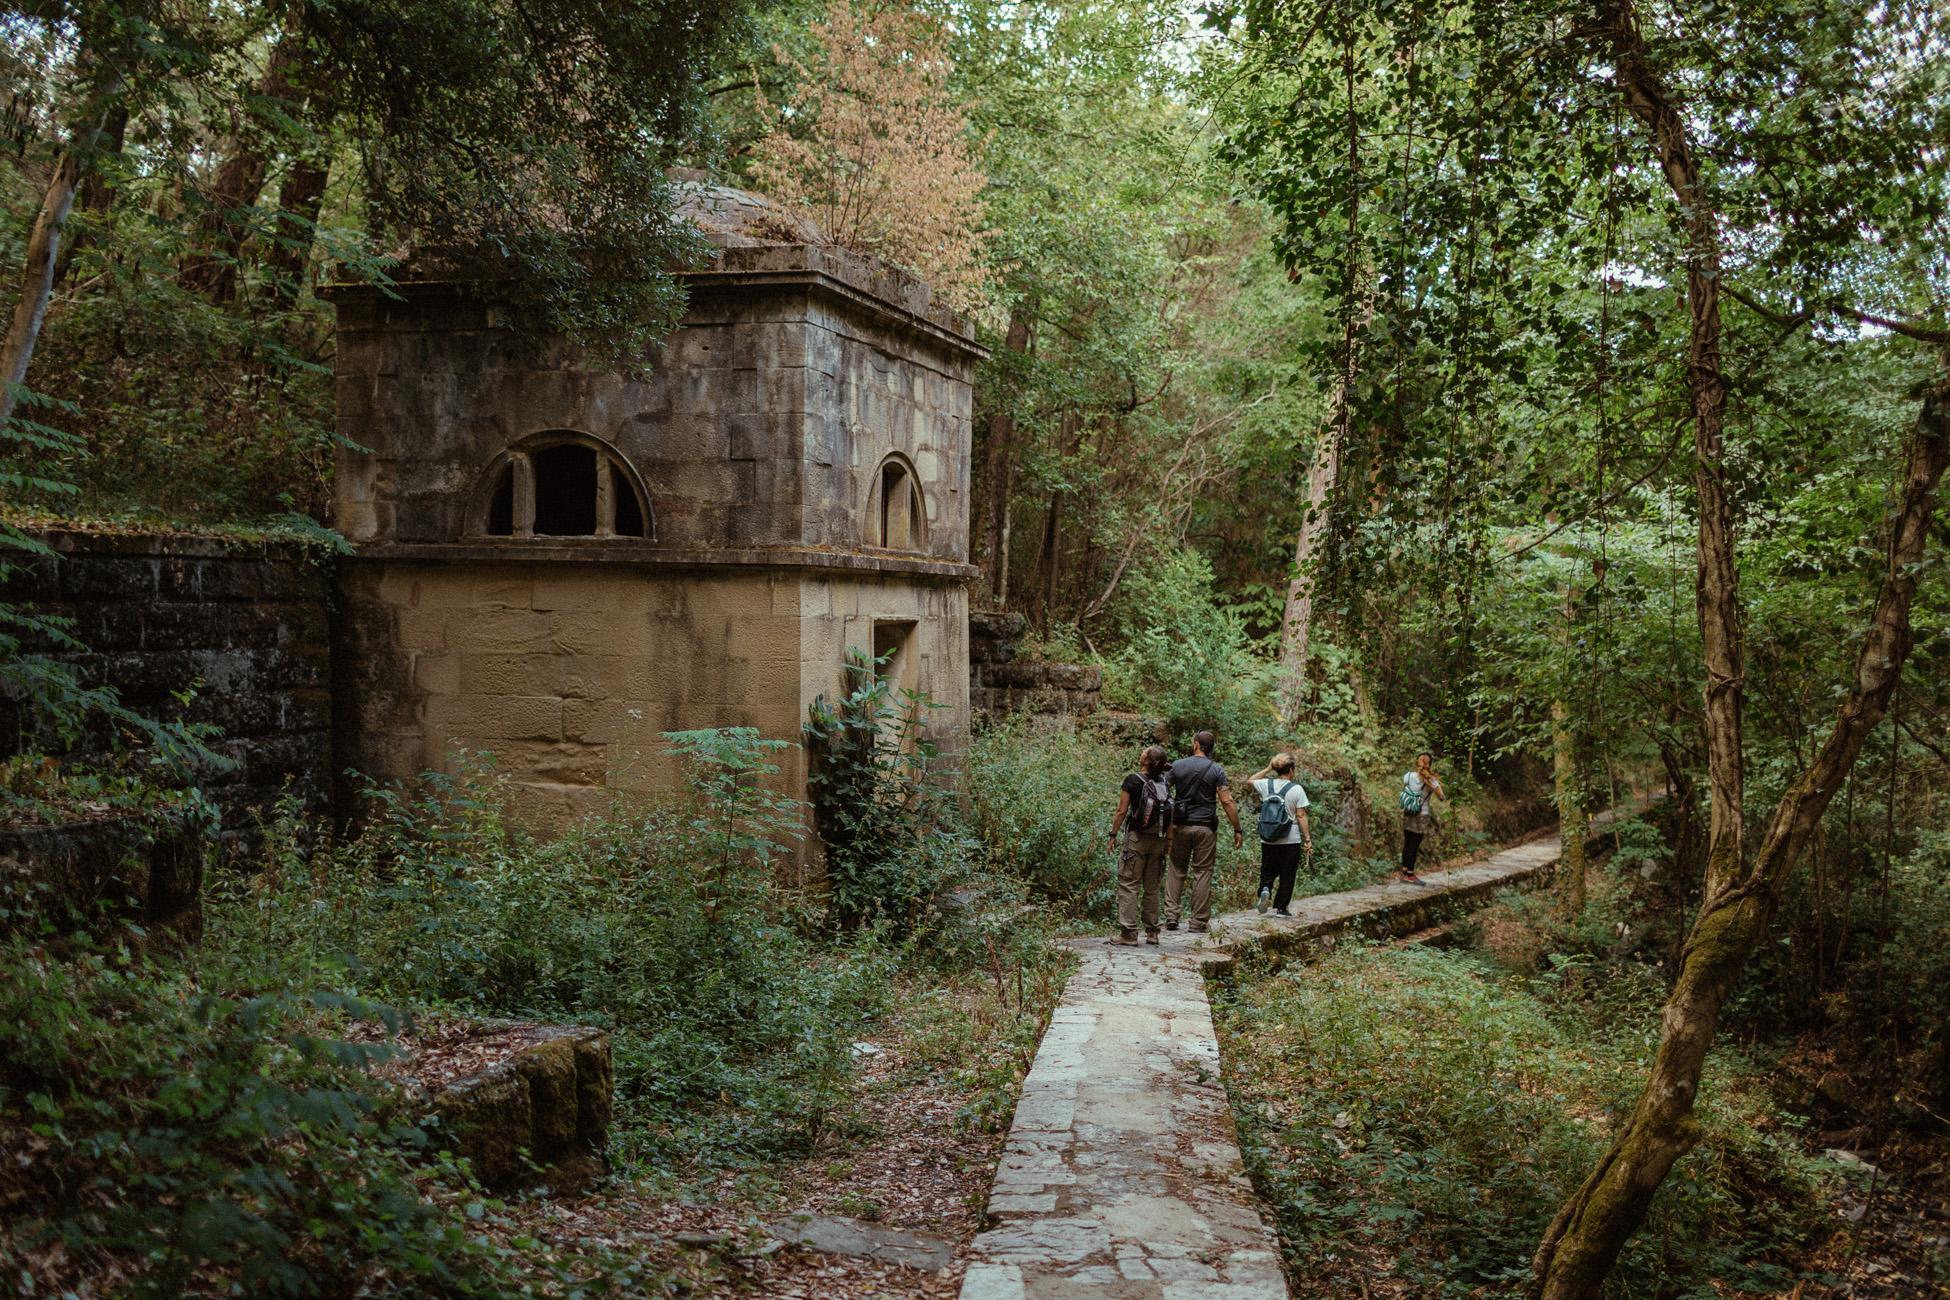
<point x="1413" y="780"/>
<point x="1296" y="799"/>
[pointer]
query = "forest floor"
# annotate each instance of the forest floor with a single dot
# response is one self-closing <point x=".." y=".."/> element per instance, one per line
<point x="915" y="1153"/>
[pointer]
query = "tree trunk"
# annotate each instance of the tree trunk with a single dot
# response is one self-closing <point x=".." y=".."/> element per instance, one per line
<point x="998" y="469"/>
<point x="1049" y="569"/>
<point x="212" y="269"/>
<point x="1583" y="1242"/>
<point x="1570" y="811"/>
<point x="1567" y="787"/>
<point x="1296" y="625"/>
<point x="299" y="199"/>
<point x="96" y="192"/>
<point x="43" y="256"/>
<point x="1296" y="622"/>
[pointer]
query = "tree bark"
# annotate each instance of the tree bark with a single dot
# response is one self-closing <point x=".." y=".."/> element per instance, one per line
<point x="1583" y="1242"/>
<point x="998" y="470"/>
<point x="212" y="269"/>
<point x="1568" y="788"/>
<point x="299" y="199"/>
<point x="43" y="256"/>
<point x="1570" y="811"/>
<point x="1323" y="473"/>
<point x="96" y="192"/>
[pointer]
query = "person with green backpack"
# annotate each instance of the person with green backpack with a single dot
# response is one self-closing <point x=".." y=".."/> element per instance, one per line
<point x="1283" y="832"/>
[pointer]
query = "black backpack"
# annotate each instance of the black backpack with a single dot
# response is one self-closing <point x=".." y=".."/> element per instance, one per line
<point x="1152" y="811"/>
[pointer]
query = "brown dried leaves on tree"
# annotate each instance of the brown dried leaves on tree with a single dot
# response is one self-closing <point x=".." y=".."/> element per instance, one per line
<point x="873" y="148"/>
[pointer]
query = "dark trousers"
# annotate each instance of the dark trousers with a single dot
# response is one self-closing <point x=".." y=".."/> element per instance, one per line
<point x="1411" y="848"/>
<point x="1279" y="863"/>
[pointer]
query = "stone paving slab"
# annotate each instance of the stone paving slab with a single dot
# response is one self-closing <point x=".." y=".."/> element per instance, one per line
<point x="1122" y="1177"/>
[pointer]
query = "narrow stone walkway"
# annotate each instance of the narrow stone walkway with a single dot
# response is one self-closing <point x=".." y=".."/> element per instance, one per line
<point x="1122" y="1178"/>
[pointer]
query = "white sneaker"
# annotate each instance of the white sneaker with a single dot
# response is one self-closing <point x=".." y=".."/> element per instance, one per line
<point x="1265" y="898"/>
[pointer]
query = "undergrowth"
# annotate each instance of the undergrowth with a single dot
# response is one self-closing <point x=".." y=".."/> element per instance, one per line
<point x="209" y="1122"/>
<point x="1414" y="1116"/>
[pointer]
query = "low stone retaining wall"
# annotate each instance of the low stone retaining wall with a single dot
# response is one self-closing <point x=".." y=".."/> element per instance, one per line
<point x="144" y="867"/>
<point x="1001" y="684"/>
<point x="244" y="624"/>
<point x="546" y="1099"/>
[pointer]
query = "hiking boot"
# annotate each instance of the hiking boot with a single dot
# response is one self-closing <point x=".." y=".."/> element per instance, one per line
<point x="1263" y="901"/>
<point x="1151" y="937"/>
<point x="1195" y="929"/>
<point x="1171" y="925"/>
<point x="1127" y="938"/>
<point x="1281" y="911"/>
<point x="1410" y="877"/>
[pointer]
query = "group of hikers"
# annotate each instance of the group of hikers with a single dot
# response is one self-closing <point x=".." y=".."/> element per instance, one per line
<point x="1168" y="822"/>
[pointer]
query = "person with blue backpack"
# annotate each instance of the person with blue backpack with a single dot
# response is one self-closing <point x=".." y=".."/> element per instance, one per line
<point x="1283" y="832"/>
<point x="1144" y="813"/>
<point x="1419" y="788"/>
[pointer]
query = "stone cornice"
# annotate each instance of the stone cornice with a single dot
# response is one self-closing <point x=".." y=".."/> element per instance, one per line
<point x="628" y="554"/>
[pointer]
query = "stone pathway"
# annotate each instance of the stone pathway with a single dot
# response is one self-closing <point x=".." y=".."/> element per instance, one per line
<point x="1122" y="1178"/>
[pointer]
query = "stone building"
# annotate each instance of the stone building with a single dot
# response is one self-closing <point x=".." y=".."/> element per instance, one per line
<point x="556" y="565"/>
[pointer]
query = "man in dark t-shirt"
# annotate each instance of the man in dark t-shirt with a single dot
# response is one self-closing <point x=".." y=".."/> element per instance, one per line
<point x="1198" y="790"/>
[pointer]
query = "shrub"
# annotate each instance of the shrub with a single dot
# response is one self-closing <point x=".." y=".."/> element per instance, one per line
<point x="1188" y="659"/>
<point x="664" y="926"/>
<point x="1041" y="799"/>
<point x="890" y="828"/>
<point x="169" y="1133"/>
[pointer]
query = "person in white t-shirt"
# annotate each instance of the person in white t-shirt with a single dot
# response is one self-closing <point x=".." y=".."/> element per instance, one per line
<point x="1279" y="858"/>
<point x="1420" y="788"/>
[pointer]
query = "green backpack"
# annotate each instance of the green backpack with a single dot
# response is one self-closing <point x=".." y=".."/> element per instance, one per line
<point x="1412" y="802"/>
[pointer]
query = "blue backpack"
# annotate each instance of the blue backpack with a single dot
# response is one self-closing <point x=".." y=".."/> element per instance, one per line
<point x="1410" y="800"/>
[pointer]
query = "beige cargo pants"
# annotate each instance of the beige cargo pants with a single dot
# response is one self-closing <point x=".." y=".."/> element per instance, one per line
<point x="1193" y="848"/>
<point x="1139" y="873"/>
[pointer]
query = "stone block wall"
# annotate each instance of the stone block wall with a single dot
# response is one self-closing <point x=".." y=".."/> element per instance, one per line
<point x="1001" y="683"/>
<point x="762" y="421"/>
<point x="569" y="674"/>
<point x="243" y="625"/>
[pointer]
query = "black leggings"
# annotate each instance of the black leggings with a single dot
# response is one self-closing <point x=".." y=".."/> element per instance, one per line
<point x="1278" y="864"/>
<point x="1411" y="848"/>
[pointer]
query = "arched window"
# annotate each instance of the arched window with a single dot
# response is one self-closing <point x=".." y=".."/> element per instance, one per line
<point x="564" y="484"/>
<point x="899" y="519"/>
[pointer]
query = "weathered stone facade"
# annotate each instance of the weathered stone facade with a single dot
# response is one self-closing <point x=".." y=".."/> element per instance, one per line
<point x="788" y="481"/>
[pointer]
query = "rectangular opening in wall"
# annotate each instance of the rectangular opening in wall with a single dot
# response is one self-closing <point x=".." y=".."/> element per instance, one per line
<point x="894" y="650"/>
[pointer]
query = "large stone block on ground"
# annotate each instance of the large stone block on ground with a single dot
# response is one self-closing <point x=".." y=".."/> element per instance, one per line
<point x="525" y="1104"/>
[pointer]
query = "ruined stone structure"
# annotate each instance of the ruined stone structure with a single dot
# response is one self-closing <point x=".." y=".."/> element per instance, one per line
<point x="1003" y="683"/>
<point x="557" y="565"/>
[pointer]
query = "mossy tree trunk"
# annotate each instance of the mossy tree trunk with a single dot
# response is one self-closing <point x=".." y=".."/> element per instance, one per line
<point x="1739" y="899"/>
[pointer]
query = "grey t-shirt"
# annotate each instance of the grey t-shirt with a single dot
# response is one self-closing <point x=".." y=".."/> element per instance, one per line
<point x="1195" y="784"/>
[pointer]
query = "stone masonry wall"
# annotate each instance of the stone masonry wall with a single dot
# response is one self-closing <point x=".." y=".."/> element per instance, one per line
<point x="244" y="625"/>
<point x="1001" y="684"/>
